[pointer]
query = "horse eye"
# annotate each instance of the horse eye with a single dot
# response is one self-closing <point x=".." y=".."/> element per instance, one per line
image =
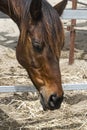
<point x="38" y="47"/>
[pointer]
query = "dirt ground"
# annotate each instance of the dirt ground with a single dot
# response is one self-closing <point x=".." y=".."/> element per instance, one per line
<point x="23" y="111"/>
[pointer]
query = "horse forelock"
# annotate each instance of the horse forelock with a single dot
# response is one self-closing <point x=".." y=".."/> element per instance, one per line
<point x="53" y="28"/>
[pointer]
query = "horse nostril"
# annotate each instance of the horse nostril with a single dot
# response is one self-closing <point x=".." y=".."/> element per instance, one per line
<point x="55" y="101"/>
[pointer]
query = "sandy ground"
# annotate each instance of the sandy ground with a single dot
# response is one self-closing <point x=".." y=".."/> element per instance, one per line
<point x="22" y="111"/>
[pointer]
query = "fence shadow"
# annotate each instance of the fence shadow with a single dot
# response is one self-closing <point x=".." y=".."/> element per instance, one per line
<point x="7" y="123"/>
<point x="8" y="40"/>
<point x="2" y="15"/>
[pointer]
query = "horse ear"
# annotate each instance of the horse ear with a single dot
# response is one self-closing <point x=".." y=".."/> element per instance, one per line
<point x="36" y="9"/>
<point x="60" y="7"/>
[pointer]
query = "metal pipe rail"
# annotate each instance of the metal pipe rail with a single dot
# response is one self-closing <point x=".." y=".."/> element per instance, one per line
<point x="80" y="2"/>
<point x="80" y="14"/>
<point x="67" y="87"/>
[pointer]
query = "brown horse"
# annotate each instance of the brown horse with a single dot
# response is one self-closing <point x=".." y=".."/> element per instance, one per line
<point x="40" y="42"/>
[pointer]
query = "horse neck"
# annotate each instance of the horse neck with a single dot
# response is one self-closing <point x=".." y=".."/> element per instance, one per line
<point x="12" y="8"/>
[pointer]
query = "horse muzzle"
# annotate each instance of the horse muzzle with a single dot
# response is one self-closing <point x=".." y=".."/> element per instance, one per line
<point x="53" y="102"/>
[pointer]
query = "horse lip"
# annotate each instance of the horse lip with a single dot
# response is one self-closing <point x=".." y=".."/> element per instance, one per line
<point x="42" y="101"/>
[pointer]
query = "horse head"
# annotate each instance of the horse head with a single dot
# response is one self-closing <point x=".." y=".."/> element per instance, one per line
<point x="38" y="50"/>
